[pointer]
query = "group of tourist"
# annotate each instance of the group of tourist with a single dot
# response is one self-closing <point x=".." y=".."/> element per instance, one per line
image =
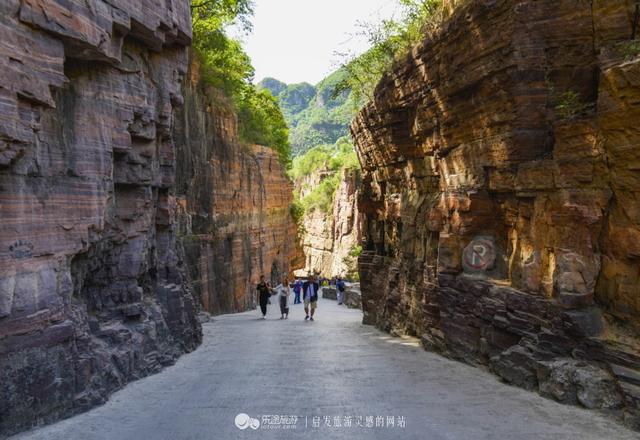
<point x="304" y="292"/>
<point x="309" y="290"/>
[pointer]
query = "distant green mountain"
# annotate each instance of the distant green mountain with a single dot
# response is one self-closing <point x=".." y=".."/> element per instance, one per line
<point x="313" y="115"/>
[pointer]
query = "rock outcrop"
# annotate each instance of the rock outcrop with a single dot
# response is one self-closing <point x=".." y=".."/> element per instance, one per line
<point x="500" y="197"/>
<point x="234" y="204"/>
<point x="330" y="238"/>
<point x="92" y="286"/>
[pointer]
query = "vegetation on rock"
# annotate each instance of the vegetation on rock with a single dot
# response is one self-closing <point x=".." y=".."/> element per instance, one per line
<point x="330" y="161"/>
<point x="315" y="114"/>
<point x="227" y="67"/>
<point x="390" y="40"/>
<point x="351" y="263"/>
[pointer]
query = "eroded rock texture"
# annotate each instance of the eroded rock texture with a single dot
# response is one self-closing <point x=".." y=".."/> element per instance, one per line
<point x="92" y="291"/>
<point x="329" y="238"/>
<point x="234" y="205"/>
<point x="500" y="197"/>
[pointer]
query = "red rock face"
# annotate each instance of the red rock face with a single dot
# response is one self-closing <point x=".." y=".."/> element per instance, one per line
<point x="499" y="196"/>
<point x="235" y="218"/>
<point x="92" y="292"/>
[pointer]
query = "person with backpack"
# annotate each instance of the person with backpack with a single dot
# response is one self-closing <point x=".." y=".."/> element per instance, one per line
<point x="297" y="288"/>
<point x="264" y="292"/>
<point x="310" y="291"/>
<point x="340" y="288"/>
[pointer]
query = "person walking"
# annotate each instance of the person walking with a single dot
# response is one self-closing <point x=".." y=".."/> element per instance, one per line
<point x="284" y="291"/>
<point x="264" y="292"/>
<point x="297" y="288"/>
<point x="310" y="293"/>
<point x="340" y="288"/>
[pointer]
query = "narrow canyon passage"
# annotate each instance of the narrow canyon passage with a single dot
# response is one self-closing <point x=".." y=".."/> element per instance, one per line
<point x="332" y="367"/>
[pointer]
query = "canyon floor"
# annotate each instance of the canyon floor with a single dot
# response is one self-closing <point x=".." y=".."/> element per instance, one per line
<point x="331" y="367"/>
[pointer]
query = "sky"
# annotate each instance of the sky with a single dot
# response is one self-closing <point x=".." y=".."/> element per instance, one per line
<point x="297" y="40"/>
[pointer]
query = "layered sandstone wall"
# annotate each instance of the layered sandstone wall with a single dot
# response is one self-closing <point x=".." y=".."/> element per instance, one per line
<point x="500" y="197"/>
<point x="234" y="202"/>
<point x="329" y="238"/>
<point x="92" y="291"/>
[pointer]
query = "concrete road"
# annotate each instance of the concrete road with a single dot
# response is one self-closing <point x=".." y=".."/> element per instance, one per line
<point x="328" y="372"/>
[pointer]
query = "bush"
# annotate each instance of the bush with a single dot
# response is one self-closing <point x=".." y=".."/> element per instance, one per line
<point x="629" y="49"/>
<point x="569" y="105"/>
<point x="356" y="251"/>
<point x="321" y="197"/>
<point x="351" y="262"/>
<point x="296" y="209"/>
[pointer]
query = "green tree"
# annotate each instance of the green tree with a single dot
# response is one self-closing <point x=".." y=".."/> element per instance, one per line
<point x="227" y="67"/>
<point x="389" y="40"/>
<point x="261" y="122"/>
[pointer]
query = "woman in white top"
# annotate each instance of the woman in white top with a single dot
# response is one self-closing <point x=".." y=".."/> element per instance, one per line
<point x="283" y="292"/>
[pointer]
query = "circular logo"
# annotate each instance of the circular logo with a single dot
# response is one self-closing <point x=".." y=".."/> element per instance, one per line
<point x="479" y="255"/>
<point x="243" y="421"/>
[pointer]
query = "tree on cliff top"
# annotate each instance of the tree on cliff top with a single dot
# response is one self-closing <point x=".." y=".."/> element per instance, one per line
<point x="390" y="40"/>
<point x="227" y="67"/>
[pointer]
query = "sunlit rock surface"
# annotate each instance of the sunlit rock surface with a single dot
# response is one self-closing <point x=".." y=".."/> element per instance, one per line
<point x="500" y="197"/>
<point x="329" y="238"/>
<point x="92" y="291"/>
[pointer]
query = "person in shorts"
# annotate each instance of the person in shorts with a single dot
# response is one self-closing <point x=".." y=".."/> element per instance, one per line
<point x="310" y="294"/>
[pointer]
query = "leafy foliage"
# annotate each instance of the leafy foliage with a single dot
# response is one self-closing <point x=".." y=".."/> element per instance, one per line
<point x="297" y="211"/>
<point x="227" y="67"/>
<point x="332" y="160"/>
<point x="351" y="263"/>
<point x="314" y="114"/>
<point x="569" y="105"/>
<point x="322" y="195"/>
<point x="261" y="122"/>
<point x="629" y="49"/>
<point x="390" y="40"/>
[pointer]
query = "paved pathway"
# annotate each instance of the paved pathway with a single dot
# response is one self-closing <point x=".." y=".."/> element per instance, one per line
<point x="331" y="367"/>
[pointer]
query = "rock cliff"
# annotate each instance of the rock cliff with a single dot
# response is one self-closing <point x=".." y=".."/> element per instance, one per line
<point x="329" y="238"/>
<point x="92" y="286"/>
<point x="500" y="197"/>
<point x="234" y="204"/>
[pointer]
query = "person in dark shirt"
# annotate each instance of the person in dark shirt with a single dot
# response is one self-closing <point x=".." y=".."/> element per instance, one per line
<point x="310" y="295"/>
<point x="297" y="289"/>
<point x="340" y="288"/>
<point x="264" y="292"/>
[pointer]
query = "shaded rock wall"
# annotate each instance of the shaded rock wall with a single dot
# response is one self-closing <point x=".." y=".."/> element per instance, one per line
<point x="329" y="238"/>
<point x="234" y="204"/>
<point x="500" y="197"/>
<point x="92" y="291"/>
